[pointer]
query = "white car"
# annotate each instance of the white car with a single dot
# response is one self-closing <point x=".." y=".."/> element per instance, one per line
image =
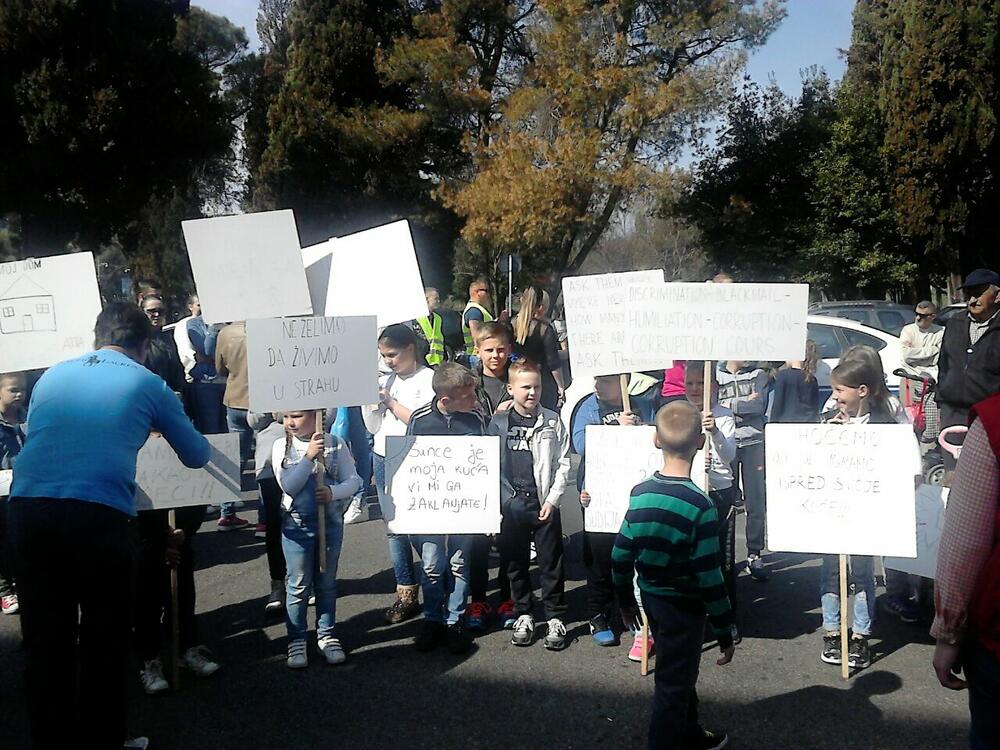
<point x="832" y="337"/>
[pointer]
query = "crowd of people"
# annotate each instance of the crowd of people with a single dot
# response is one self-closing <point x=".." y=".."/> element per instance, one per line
<point x="672" y="563"/>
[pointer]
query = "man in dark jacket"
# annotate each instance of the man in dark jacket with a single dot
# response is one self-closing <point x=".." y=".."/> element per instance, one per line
<point x="969" y="364"/>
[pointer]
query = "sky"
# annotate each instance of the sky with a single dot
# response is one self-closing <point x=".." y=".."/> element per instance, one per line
<point x="812" y="33"/>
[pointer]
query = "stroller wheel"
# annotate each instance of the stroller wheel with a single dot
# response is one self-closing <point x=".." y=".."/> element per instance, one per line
<point x="934" y="475"/>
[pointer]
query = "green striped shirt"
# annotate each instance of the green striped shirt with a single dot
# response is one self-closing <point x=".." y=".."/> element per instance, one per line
<point x="670" y="536"/>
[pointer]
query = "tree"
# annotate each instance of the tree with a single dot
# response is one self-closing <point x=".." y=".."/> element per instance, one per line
<point x="101" y="109"/>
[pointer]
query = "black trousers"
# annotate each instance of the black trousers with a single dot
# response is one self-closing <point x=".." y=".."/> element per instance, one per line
<point x="73" y="561"/>
<point x="678" y="628"/>
<point x="6" y="579"/>
<point x="597" y="549"/>
<point x="479" y="570"/>
<point x="749" y="464"/>
<point x="724" y="501"/>
<point x="153" y="605"/>
<point x="270" y="496"/>
<point x="520" y="519"/>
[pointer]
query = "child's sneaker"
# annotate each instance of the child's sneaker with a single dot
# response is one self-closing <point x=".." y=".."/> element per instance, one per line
<point x="831" y="649"/>
<point x="260" y="531"/>
<point x="710" y="740"/>
<point x="555" y="639"/>
<point x="430" y="635"/>
<point x="332" y="650"/>
<point x="298" y="658"/>
<point x="506" y="614"/>
<point x="639" y="645"/>
<point x="196" y="659"/>
<point x="897" y="606"/>
<point x="276" y="601"/>
<point x="231" y="523"/>
<point x="355" y="510"/>
<point x="601" y="632"/>
<point x="8" y="604"/>
<point x="458" y="640"/>
<point x="406" y="606"/>
<point x="151" y="677"/>
<point x="524" y="630"/>
<point x="755" y="564"/>
<point x="477" y="616"/>
<point x="859" y="654"/>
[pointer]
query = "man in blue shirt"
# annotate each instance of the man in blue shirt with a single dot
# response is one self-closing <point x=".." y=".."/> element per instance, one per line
<point x="71" y="524"/>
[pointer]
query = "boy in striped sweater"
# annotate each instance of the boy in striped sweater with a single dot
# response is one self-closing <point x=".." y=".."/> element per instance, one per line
<point x="670" y="537"/>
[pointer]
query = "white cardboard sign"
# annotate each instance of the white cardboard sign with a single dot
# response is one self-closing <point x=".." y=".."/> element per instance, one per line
<point x="375" y="272"/>
<point x="442" y="485"/>
<point x="718" y="321"/>
<point x="931" y="504"/>
<point x="619" y="458"/>
<point x="317" y="259"/>
<point x="48" y="307"/>
<point x="247" y="266"/>
<point x="597" y="316"/>
<point x="6" y="479"/>
<point x="841" y="489"/>
<point x="311" y="363"/>
<point x="162" y="481"/>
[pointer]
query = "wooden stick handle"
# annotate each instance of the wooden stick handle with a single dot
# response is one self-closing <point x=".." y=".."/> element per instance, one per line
<point x="845" y="668"/>
<point x="706" y="410"/>
<point x="175" y="617"/>
<point x="320" y="472"/>
<point x="644" y="631"/>
<point x="626" y="400"/>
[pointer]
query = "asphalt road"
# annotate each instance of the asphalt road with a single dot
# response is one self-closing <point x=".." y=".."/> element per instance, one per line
<point x="776" y="694"/>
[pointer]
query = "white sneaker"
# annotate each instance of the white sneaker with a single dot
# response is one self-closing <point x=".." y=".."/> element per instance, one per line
<point x="297" y="656"/>
<point x="151" y="677"/>
<point x="276" y="601"/>
<point x="332" y="650"/>
<point x="354" y="511"/>
<point x="555" y="639"/>
<point x="524" y="631"/>
<point x="196" y="659"/>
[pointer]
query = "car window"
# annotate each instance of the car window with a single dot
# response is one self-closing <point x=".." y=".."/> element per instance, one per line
<point x="859" y="338"/>
<point x="861" y="316"/>
<point x="891" y="321"/>
<point x="825" y="339"/>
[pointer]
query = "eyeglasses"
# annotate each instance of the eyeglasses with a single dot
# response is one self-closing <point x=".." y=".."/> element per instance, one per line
<point x="924" y="316"/>
<point x="153" y="311"/>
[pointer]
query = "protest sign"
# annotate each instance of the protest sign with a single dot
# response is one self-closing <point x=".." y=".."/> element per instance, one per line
<point x="162" y="481"/>
<point x="717" y="321"/>
<point x="931" y="504"/>
<point x="619" y="458"/>
<point x="317" y="259"/>
<point x="300" y="364"/>
<point x="442" y="485"/>
<point x="48" y="307"/>
<point x="375" y="272"/>
<point x="249" y="265"/>
<point x="597" y="321"/>
<point x="6" y="478"/>
<point x="841" y="489"/>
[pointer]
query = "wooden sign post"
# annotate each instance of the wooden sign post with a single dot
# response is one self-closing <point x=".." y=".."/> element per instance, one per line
<point x="320" y="472"/>
<point x="845" y="667"/>
<point x="175" y="620"/>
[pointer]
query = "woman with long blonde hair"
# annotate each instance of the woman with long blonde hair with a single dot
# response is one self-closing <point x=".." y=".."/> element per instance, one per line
<point x="535" y="339"/>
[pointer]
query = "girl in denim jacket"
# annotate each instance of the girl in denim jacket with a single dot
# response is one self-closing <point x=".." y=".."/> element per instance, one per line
<point x="293" y="460"/>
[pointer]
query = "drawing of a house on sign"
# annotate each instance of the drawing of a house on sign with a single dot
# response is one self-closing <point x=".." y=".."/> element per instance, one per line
<point x="26" y="307"/>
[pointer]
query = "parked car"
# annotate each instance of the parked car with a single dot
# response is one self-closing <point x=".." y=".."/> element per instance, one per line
<point x="946" y="313"/>
<point x="832" y="336"/>
<point x="885" y="316"/>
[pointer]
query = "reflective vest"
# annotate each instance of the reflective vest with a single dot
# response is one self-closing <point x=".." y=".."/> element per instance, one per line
<point x="470" y="344"/>
<point x="431" y="327"/>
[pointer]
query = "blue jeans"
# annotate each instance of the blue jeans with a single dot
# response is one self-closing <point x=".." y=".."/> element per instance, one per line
<point x="445" y="578"/>
<point x="862" y="578"/>
<point x="982" y="670"/>
<point x="299" y="543"/>
<point x="206" y="404"/>
<point x="399" y="544"/>
<point x="237" y="421"/>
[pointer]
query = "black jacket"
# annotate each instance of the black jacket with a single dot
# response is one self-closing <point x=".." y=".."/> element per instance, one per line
<point x="428" y="420"/>
<point x="164" y="360"/>
<point x="967" y="375"/>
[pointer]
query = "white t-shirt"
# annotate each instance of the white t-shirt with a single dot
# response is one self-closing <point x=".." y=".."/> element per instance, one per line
<point x="412" y="391"/>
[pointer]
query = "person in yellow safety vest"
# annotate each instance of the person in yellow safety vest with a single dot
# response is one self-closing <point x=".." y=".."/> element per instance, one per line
<point x="430" y="327"/>
<point x="475" y="313"/>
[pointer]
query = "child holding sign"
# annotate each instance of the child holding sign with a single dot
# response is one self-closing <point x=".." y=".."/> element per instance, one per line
<point x="603" y="407"/>
<point x="859" y="393"/>
<point x="445" y="580"/>
<point x="534" y="464"/>
<point x="12" y="408"/>
<point x="670" y="537"/>
<point x="292" y="460"/>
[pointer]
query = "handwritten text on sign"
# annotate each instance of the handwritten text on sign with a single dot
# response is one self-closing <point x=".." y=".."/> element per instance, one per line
<point x="442" y="485"/>
<point x="619" y="458"/>
<point x="311" y="363"/>
<point x="931" y="504"/>
<point x="597" y="324"/>
<point x="162" y="481"/>
<point x="841" y="489"/>
<point x="718" y="321"/>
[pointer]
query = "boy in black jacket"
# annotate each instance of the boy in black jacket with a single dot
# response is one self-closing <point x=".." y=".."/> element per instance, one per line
<point x="445" y="582"/>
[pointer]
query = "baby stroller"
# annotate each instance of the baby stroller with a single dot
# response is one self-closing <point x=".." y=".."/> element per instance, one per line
<point x="923" y="414"/>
